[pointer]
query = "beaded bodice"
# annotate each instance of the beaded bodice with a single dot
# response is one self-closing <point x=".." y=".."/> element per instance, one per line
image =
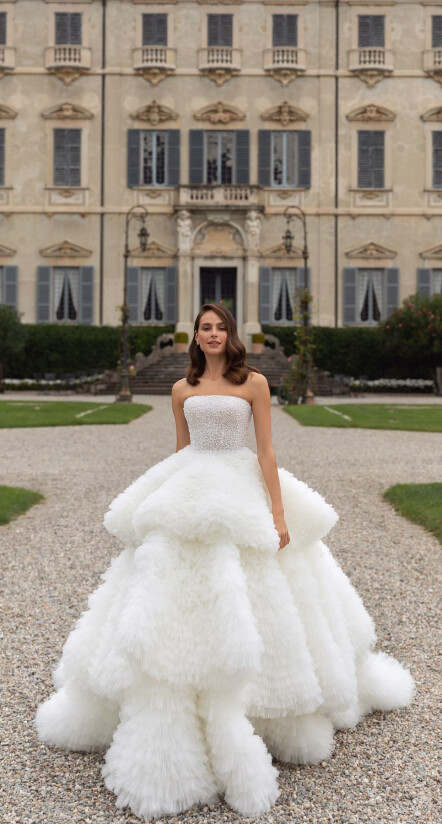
<point x="217" y="422"/>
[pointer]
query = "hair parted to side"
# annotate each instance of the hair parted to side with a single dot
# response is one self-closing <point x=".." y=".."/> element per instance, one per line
<point x="237" y="370"/>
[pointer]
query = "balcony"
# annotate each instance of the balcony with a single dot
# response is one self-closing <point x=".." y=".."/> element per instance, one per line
<point x="214" y="196"/>
<point x="433" y="63"/>
<point x="154" y="57"/>
<point x="7" y="58"/>
<point x="284" y="57"/>
<point x="371" y="63"/>
<point x="67" y="57"/>
<point x="220" y="63"/>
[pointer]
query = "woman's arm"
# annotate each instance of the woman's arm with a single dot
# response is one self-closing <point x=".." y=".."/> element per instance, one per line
<point x="266" y="453"/>
<point x="182" y="430"/>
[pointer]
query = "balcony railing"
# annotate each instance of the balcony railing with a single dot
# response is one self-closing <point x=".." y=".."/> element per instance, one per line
<point x="371" y="58"/>
<point x="61" y="57"/>
<point x="433" y="60"/>
<point x="148" y="57"/>
<point x="7" y="57"/>
<point x="219" y="57"/>
<point x="284" y="57"/>
<point x="218" y="195"/>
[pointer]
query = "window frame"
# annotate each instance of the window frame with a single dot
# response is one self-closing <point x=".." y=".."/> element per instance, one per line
<point x="285" y="184"/>
<point x="78" y="8"/>
<point x="230" y="10"/>
<point x="66" y="270"/>
<point x="219" y="132"/>
<point x="155" y="14"/>
<point x="284" y="45"/>
<point x="155" y="183"/>
<point x="79" y="185"/>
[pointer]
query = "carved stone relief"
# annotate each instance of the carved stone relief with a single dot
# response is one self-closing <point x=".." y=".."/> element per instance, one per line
<point x="433" y="115"/>
<point x="434" y="253"/>
<point x="184" y="230"/>
<point x="284" y="114"/>
<point x="154" y="113"/>
<point x="154" y="75"/>
<point x="219" y="76"/>
<point x="372" y="112"/>
<point x="371" y="251"/>
<point x="284" y="76"/>
<point x="65" y="249"/>
<point x="219" y="113"/>
<point x="67" y="111"/>
<point x="6" y="113"/>
<point x="218" y="240"/>
<point x="253" y="229"/>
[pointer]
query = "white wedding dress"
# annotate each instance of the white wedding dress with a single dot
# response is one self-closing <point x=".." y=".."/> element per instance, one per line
<point x="206" y="649"/>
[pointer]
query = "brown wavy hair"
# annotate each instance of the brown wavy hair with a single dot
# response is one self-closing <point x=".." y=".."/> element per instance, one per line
<point x="237" y="370"/>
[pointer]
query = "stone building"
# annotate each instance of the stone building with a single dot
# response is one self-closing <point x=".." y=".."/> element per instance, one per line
<point x="216" y="117"/>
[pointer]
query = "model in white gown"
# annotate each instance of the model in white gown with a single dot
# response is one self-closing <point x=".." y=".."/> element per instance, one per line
<point x="205" y="648"/>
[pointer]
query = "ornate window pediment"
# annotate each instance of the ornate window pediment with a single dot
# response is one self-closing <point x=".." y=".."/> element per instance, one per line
<point x="433" y="115"/>
<point x="435" y="252"/>
<point x="219" y="113"/>
<point x="371" y="113"/>
<point x="67" y="111"/>
<point x="156" y="250"/>
<point x="154" y="113"/>
<point x="6" y="251"/>
<point x="279" y="251"/>
<point x="6" y="113"/>
<point x="65" y="249"/>
<point x="284" y="114"/>
<point x="371" y="251"/>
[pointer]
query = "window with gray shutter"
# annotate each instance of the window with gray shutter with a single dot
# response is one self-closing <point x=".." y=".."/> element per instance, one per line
<point x="437" y="160"/>
<point x="429" y="281"/>
<point x="68" y="28"/>
<point x="66" y="293"/>
<point x="3" y="28"/>
<point x="371" y="159"/>
<point x="67" y="157"/>
<point x="220" y="30"/>
<point x="153" y="157"/>
<point x="370" y="295"/>
<point x="196" y="156"/>
<point x="2" y="157"/>
<point x="154" y="29"/>
<point x="43" y="294"/>
<point x="225" y="157"/>
<point x="371" y="31"/>
<point x="287" y="286"/>
<point x="152" y="294"/>
<point x="8" y="285"/>
<point x="436" y="31"/>
<point x="290" y="158"/>
<point x="264" y="157"/>
<point x="86" y="299"/>
<point x="285" y="30"/>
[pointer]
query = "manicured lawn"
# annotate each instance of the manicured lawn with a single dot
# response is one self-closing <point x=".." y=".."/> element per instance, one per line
<point x="66" y="413"/>
<point x="426" y="418"/>
<point x="14" y="501"/>
<point x="420" y="503"/>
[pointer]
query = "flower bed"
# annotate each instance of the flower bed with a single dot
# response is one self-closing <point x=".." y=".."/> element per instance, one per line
<point x="18" y="384"/>
<point x="404" y="385"/>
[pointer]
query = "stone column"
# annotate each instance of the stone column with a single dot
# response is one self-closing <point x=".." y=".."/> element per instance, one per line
<point x="251" y="277"/>
<point x="184" y="237"/>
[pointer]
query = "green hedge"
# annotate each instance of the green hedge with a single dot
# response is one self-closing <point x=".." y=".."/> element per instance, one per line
<point x="69" y="349"/>
<point x="351" y="351"/>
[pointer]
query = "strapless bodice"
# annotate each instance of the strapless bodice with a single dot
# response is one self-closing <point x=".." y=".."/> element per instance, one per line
<point x="217" y="422"/>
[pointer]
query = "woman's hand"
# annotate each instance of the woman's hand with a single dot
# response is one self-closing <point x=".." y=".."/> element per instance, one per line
<point x="281" y="528"/>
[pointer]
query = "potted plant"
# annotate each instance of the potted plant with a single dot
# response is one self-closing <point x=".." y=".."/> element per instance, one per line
<point x="181" y="340"/>
<point x="258" y="339"/>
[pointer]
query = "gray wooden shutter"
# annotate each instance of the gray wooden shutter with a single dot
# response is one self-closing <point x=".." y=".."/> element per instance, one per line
<point x="304" y="153"/>
<point x="242" y="149"/>
<point x="437" y="160"/>
<point x="10" y="282"/>
<point x="154" y="29"/>
<point x="74" y="156"/>
<point x="370" y="159"/>
<point x="60" y="171"/>
<point x="61" y="28"/>
<point x="300" y="277"/>
<point x="2" y="157"/>
<point x="350" y="279"/>
<point x="264" y="157"/>
<point x="436" y="31"/>
<point x="219" y="30"/>
<point x="86" y="294"/>
<point x="133" y="280"/>
<point x="424" y="281"/>
<point x="377" y="154"/>
<point x="173" y="157"/>
<point x="3" y="28"/>
<point x="265" y="294"/>
<point x="285" y="30"/>
<point x="371" y="31"/>
<point x="170" y="294"/>
<point x="67" y="157"/>
<point x="43" y="294"/>
<point x="75" y="27"/>
<point x="133" y="157"/>
<point x="196" y="156"/>
<point x="391" y="291"/>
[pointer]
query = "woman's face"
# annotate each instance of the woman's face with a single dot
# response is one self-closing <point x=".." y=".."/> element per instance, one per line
<point x="212" y="334"/>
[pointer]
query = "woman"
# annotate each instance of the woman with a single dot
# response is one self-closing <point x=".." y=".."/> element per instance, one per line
<point x="225" y="631"/>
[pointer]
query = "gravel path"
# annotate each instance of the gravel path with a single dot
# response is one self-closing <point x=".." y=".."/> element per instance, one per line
<point x="384" y="770"/>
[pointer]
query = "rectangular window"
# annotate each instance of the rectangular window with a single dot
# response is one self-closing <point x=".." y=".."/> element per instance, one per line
<point x="219" y="152"/>
<point x="370" y="295"/>
<point x="371" y="31"/>
<point x="285" y="30"/>
<point x="66" y="293"/>
<point x="371" y="160"/>
<point x="68" y="28"/>
<point x="220" y="30"/>
<point x="67" y="157"/>
<point x="2" y="156"/>
<point x="436" y="281"/>
<point x="436" y="31"/>
<point x="153" y="158"/>
<point x="285" y="295"/>
<point x="154" y="29"/>
<point x="285" y="159"/>
<point x="437" y="160"/>
<point x="3" y="31"/>
<point x="151" y="305"/>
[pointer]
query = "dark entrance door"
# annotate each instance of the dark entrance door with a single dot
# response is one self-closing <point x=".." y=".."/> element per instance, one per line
<point x="219" y="286"/>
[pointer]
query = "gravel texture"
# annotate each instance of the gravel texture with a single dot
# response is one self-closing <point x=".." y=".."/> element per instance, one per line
<point x="383" y="771"/>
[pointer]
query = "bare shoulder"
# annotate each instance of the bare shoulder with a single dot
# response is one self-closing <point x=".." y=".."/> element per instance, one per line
<point x="258" y="385"/>
<point x="179" y="390"/>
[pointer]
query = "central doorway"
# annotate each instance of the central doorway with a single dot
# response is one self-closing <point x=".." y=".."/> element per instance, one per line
<point x="219" y="286"/>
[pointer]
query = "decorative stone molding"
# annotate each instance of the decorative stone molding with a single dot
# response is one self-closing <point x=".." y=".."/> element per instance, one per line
<point x="6" y="113"/>
<point x="67" y="111"/>
<point x="437" y="76"/>
<point x="154" y="113"/>
<point x="284" y="76"/>
<point x="155" y="249"/>
<point x="6" y="251"/>
<point x="284" y="114"/>
<point x="279" y="251"/>
<point x="372" y="112"/>
<point x="219" y="113"/>
<point x="370" y="76"/>
<point x="253" y="230"/>
<point x="154" y="75"/>
<point x="65" y="249"/>
<point x="67" y="75"/>
<point x="433" y="115"/>
<point x="219" y="76"/>
<point x="184" y="230"/>
<point x="371" y="251"/>
<point x="434" y="253"/>
<point x="219" y="239"/>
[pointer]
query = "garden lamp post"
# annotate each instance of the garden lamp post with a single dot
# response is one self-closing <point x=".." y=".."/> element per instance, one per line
<point x="135" y="213"/>
<point x="288" y="238"/>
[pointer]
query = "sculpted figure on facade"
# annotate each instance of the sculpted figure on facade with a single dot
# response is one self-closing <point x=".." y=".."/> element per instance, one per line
<point x="184" y="230"/>
<point x="253" y="229"/>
